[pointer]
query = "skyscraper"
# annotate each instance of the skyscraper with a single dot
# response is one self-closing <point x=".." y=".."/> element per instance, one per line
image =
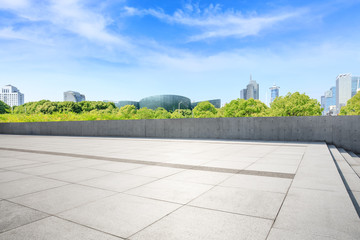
<point x="73" y="96"/>
<point x="11" y="96"/>
<point x="251" y="90"/>
<point x="328" y="101"/>
<point x="346" y="87"/>
<point x="274" y="92"/>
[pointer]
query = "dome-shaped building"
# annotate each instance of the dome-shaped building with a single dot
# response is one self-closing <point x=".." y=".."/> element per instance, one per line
<point x="169" y="102"/>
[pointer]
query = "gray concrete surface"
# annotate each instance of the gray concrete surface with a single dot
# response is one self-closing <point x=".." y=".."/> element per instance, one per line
<point x="55" y="187"/>
<point x="342" y="131"/>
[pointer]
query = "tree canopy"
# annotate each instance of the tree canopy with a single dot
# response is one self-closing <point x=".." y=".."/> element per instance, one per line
<point x="4" y="108"/>
<point x="294" y="104"/>
<point x="204" y="110"/>
<point x="352" y="107"/>
<point x="244" y="108"/>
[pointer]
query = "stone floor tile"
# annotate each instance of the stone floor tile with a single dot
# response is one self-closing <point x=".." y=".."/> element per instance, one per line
<point x="13" y="215"/>
<point x="242" y="201"/>
<point x="154" y="171"/>
<point x="196" y="223"/>
<point x="45" y="169"/>
<point x="55" y="229"/>
<point x="77" y="175"/>
<point x="121" y="215"/>
<point x="197" y="176"/>
<point x="118" y="181"/>
<point x="173" y="191"/>
<point x="281" y="168"/>
<point x="270" y="184"/>
<point x="7" y="176"/>
<point x="63" y="198"/>
<point x="27" y="185"/>
<point x="116" y="166"/>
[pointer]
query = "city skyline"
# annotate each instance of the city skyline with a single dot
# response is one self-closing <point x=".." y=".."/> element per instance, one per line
<point x="201" y="49"/>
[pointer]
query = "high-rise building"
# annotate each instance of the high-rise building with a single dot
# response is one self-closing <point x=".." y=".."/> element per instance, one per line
<point x="11" y="96"/>
<point x="243" y="94"/>
<point x="251" y="90"/>
<point x="73" y="96"/>
<point x="328" y="101"/>
<point x="274" y="92"/>
<point x="346" y="87"/>
<point x="355" y="85"/>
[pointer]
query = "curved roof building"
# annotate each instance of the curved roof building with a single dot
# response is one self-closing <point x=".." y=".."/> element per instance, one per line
<point x="169" y="102"/>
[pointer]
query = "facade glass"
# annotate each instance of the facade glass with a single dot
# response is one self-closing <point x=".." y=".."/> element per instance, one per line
<point x="274" y="92"/>
<point x="215" y="102"/>
<point x="169" y="102"/>
<point x="121" y="104"/>
<point x="343" y="90"/>
<point x="330" y="101"/>
<point x="355" y="85"/>
<point x="243" y="94"/>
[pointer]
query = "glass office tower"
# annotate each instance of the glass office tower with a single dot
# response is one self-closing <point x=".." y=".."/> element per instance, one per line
<point x="169" y="102"/>
<point x="274" y="92"/>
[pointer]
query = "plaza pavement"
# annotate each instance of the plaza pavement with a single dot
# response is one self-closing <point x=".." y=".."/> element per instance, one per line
<point x="126" y="188"/>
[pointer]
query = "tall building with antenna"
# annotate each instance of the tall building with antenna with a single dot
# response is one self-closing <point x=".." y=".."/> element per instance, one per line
<point x="251" y="90"/>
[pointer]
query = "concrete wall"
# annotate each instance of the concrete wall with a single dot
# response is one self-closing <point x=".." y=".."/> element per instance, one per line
<point x="342" y="131"/>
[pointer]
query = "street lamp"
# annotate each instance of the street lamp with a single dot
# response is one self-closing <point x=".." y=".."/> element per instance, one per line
<point x="179" y="106"/>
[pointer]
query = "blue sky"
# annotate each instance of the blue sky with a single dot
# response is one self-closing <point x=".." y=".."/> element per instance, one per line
<point x="130" y="49"/>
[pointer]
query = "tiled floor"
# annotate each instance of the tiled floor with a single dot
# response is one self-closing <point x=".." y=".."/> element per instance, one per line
<point x="121" y="188"/>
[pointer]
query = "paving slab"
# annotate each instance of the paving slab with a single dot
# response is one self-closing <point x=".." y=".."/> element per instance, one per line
<point x="13" y="215"/>
<point x="242" y="201"/>
<point x="324" y="213"/>
<point x="118" y="182"/>
<point x="45" y="169"/>
<point x="63" y="198"/>
<point x="197" y="176"/>
<point x="121" y="215"/>
<point x="7" y="176"/>
<point x="268" y="167"/>
<point x="77" y="175"/>
<point x="172" y="191"/>
<point x="116" y="166"/>
<point x="280" y="234"/>
<point x="55" y="229"/>
<point x="154" y="171"/>
<point x="269" y="184"/>
<point x="27" y="185"/>
<point x="196" y="223"/>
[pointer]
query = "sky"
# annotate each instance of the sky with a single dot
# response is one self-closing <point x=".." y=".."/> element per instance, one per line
<point x="131" y="49"/>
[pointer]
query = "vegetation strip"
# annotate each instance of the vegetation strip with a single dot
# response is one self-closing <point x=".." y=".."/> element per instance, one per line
<point x="171" y="165"/>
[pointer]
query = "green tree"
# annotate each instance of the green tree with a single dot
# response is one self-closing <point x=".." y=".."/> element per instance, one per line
<point x="161" y="113"/>
<point x="204" y="110"/>
<point x="352" y="106"/>
<point x="295" y="104"/>
<point x="128" y="112"/>
<point x="181" y="113"/>
<point x="145" y="113"/>
<point x="244" y="108"/>
<point x="4" y="108"/>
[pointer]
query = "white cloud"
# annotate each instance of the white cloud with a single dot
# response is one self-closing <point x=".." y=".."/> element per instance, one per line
<point x="13" y="4"/>
<point x="213" y="22"/>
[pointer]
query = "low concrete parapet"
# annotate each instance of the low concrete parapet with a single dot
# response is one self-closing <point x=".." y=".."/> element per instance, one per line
<point x="342" y="131"/>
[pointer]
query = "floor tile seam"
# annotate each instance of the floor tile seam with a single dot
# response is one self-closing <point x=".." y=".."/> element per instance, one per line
<point x="30" y="176"/>
<point x="150" y="163"/>
<point x="37" y="191"/>
<point x="262" y="157"/>
<point x="23" y="225"/>
<point x="40" y="175"/>
<point x="285" y="196"/>
<point x="309" y="233"/>
<point x="183" y="205"/>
